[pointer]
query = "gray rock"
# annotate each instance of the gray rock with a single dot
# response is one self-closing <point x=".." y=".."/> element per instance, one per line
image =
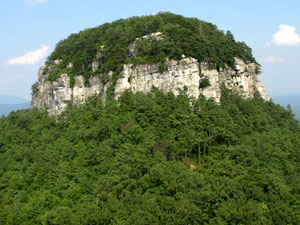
<point x="70" y="65"/>
<point x="95" y="66"/>
<point x="187" y="72"/>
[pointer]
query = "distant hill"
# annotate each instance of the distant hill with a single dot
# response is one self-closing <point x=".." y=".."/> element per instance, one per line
<point x="10" y="103"/>
<point x="11" y="99"/>
<point x="5" y="109"/>
<point x="293" y="100"/>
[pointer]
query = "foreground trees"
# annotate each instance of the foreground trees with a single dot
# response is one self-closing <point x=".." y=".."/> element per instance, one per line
<point x="122" y="163"/>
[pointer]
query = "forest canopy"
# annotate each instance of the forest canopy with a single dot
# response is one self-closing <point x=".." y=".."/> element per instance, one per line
<point x="125" y="162"/>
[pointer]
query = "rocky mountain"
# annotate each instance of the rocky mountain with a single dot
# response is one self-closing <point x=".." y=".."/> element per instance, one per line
<point x="167" y="59"/>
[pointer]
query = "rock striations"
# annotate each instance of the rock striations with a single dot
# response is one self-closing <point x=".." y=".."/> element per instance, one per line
<point x="186" y="73"/>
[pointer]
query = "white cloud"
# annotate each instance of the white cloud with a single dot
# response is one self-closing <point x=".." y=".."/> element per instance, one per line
<point x="31" y="57"/>
<point x="34" y="2"/>
<point x="272" y="59"/>
<point x="286" y="35"/>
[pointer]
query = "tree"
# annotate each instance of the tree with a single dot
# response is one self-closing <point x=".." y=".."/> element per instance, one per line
<point x="229" y="35"/>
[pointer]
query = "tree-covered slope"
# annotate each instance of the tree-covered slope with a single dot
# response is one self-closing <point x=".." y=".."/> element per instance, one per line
<point x="122" y="163"/>
<point x="109" y="45"/>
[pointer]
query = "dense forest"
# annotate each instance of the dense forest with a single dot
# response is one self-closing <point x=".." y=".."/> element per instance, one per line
<point x="129" y="162"/>
<point x="108" y="44"/>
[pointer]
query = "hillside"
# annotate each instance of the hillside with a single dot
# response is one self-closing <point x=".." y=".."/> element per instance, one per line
<point x="167" y="51"/>
<point x="128" y="162"/>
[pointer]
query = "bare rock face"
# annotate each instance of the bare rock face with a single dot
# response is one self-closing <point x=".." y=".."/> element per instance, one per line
<point x="188" y="73"/>
<point x="55" y="96"/>
<point x="242" y="79"/>
<point x="180" y="74"/>
<point x="52" y="96"/>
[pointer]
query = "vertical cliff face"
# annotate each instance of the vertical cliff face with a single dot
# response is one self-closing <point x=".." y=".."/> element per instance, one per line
<point x="180" y="74"/>
<point x="243" y="79"/>
<point x="188" y="73"/>
<point x="55" y="96"/>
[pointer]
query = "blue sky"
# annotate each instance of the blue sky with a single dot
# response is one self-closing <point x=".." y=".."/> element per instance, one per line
<point x="30" y="30"/>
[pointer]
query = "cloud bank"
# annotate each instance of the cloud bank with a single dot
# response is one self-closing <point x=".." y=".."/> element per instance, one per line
<point x="34" y="2"/>
<point x="31" y="57"/>
<point x="286" y="36"/>
<point x="272" y="59"/>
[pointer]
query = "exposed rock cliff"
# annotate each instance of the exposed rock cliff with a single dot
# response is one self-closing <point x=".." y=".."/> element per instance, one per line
<point x="141" y="52"/>
<point x="55" y="96"/>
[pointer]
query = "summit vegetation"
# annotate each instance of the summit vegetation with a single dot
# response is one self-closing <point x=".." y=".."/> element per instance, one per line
<point x="108" y="44"/>
<point x="152" y="159"/>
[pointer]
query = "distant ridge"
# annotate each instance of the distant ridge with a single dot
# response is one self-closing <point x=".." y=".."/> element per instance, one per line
<point x="11" y="99"/>
<point x="10" y="103"/>
<point x="5" y="109"/>
<point x="292" y="100"/>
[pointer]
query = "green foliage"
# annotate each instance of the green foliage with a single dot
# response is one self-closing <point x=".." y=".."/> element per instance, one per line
<point x="229" y="35"/>
<point x="121" y="163"/>
<point x="34" y="88"/>
<point x="204" y="83"/>
<point x="109" y="44"/>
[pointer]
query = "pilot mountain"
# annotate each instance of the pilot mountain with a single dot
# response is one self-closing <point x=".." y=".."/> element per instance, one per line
<point x="169" y="52"/>
<point x="157" y="119"/>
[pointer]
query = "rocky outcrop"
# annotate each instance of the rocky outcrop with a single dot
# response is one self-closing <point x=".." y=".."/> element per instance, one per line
<point x="243" y="79"/>
<point x="55" y="96"/>
<point x="180" y="74"/>
<point x="188" y="73"/>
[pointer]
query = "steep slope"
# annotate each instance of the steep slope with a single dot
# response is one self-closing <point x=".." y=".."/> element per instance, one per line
<point x="166" y="51"/>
